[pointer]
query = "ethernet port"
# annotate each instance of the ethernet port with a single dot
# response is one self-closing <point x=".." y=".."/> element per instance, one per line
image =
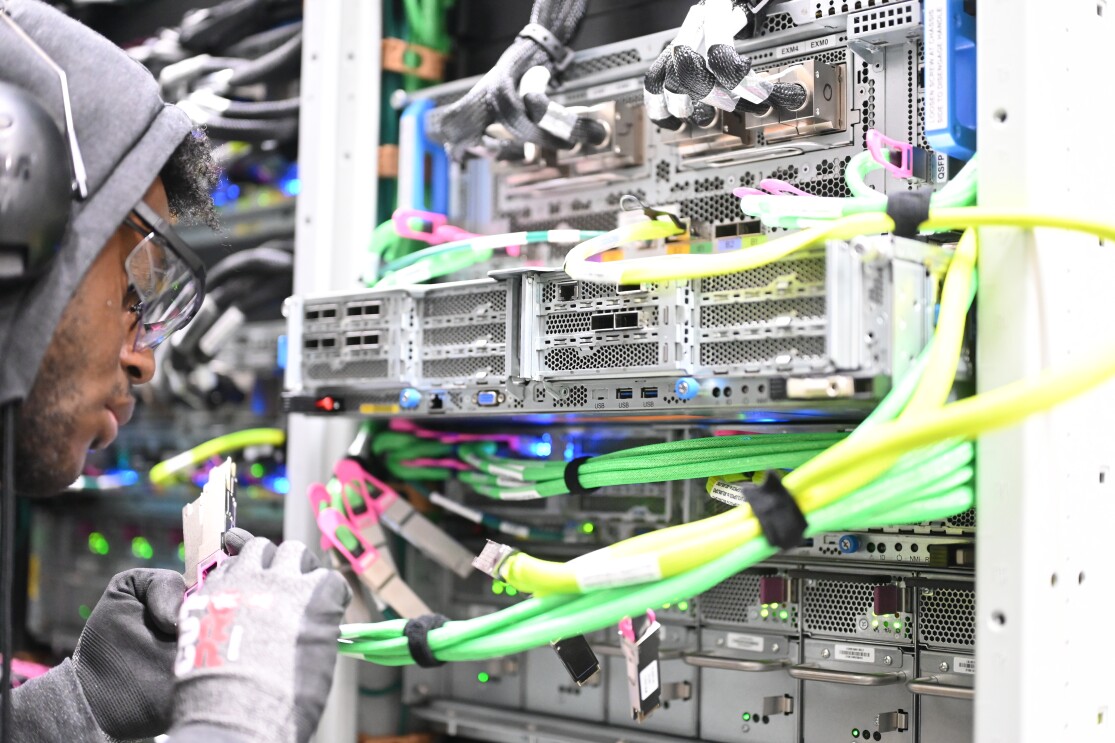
<point x="352" y="340"/>
<point x="311" y="343"/>
<point x="436" y="401"/>
<point x="566" y="292"/>
<point x="372" y="308"/>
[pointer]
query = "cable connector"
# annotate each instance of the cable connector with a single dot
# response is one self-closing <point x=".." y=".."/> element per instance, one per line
<point x="492" y="557"/>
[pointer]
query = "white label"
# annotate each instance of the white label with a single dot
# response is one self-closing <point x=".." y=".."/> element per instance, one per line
<point x="728" y="492"/>
<point x="622" y="571"/>
<point x="648" y="680"/>
<point x="613" y="90"/>
<point x="854" y="653"/>
<point x="807" y="47"/>
<point x="936" y="65"/>
<point x="737" y="641"/>
<point x="961" y="664"/>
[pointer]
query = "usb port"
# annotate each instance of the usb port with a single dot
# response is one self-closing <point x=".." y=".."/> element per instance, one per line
<point x="329" y="313"/>
<point x="312" y="314"/>
<point x="353" y="340"/>
<point x="487" y="398"/>
<point x="312" y="343"/>
<point x="625" y="393"/>
<point x="648" y="392"/>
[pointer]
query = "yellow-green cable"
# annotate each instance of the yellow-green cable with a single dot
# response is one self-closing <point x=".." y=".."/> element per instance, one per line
<point x="675" y="267"/>
<point x="816" y="482"/>
<point x="165" y="471"/>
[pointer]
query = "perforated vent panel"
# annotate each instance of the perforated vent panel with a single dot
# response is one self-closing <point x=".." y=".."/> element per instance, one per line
<point x="594" y="221"/>
<point x="601" y="63"/>
<point x="808" y="271"/>
<point x="831" y="606"/>
<point x="573" y="322"/>
<point x="947" y="616"/>
<point x="882" y="19"/>
<point x="465" y="335"/>
<point x="965" y="520"/>
<point x="465" y="304"/>
<point x="774" y="23"/>
<point x="469" y="366"/>
<point x="761" y="313"/>
<point x="721" y="207"/>
<point x="603" y="357"/>
<point x="728" y="601"/>
<point x="366" y="369"/>
<point x="577" y="396"/>
<point x="761" y="351"/>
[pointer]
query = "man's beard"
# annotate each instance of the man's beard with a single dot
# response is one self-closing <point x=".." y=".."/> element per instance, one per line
<point x="47" y="418"/>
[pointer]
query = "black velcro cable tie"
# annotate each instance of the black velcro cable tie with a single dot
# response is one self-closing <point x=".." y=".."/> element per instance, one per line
<point x="417" y="632"/>
<point x="572" y="476"/>
<point x="908" y="209"/>
<point x="777" y="512"/>
<point x="539" y="34"/>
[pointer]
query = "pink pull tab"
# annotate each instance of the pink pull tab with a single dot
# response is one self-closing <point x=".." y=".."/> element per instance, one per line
<point x="329" y="520"/>
<point x="883" y="150"/>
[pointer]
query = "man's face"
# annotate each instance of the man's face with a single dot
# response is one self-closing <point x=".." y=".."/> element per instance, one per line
<point x="82" y="393"/>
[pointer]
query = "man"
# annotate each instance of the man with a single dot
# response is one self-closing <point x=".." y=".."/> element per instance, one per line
<point x="73" y="342"/>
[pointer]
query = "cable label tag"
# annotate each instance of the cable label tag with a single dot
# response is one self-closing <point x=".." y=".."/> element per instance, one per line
<point x="738" y="641"/>
<point x="622" y="571"/>
<point x="731" y="493"/>
<point x="854" y="653"/>
<point x="960" y="664"/>
<point x="639" y="641"/>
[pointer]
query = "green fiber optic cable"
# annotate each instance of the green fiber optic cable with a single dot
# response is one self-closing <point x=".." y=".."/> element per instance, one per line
<point x="165" y="471"/>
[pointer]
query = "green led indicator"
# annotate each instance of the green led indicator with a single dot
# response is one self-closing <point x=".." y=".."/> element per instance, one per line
<point x="886" y="625"/>
<point x="666" y="606"/>
<point x="683" y="606"/>
<point x="142" y="549"/>
<point x="764" y="613"/>
<point x="98" y="545"/>
<point x="257" y="470"/>
<point x="498" y="586"/>
<point x="897" y="626"/>
<point x="783" y="615"/>
<point x="774" y="606"/>
<point x="875" y="623"/>
<point x="747" y="717"/>
<point x="181" y="552"/>
<point x="855" y="732"/>
<point x="588" y="527"/>
<point x="511" y="590"/>
<point x="483" y="677"/>
<point x="84" y="611"/>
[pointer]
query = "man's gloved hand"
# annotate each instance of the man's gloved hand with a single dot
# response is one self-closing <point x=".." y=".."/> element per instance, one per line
<point x="257" y="646"/>
<point x="125" y="657"/>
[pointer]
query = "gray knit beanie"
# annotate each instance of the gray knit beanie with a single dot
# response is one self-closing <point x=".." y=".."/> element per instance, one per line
<point x="126" y="133"/>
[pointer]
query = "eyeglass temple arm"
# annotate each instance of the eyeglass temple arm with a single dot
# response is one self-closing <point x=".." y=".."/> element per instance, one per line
<point x="79" y="181"/>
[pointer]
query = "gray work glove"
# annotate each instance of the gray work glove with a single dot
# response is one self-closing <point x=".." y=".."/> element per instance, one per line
<point x="124" y="660"/>
<point x="257" y="646"/>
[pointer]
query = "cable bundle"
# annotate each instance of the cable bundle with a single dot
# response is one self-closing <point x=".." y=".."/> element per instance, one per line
<point x="700" y="71"/>
<point x="523" y="109"/>
<point x="207" y="63"/>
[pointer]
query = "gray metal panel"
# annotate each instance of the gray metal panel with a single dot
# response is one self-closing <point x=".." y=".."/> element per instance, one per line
<point x="677" y="717"/>
<point x="830" y="711"/>
<point x="728" y="695"/>
<point x="548" y="689"/>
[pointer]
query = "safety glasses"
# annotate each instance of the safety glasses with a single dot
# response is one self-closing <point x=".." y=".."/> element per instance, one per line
<point x="168" y="278"/>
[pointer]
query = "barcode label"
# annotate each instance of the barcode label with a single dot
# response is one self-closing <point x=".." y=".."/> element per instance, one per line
<point x="648" y="680"/>
<point x="961" y="664"/>
<point x="737" y="641"/>
<point x="621" y="571"/>
<point x="854" y="653"/>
